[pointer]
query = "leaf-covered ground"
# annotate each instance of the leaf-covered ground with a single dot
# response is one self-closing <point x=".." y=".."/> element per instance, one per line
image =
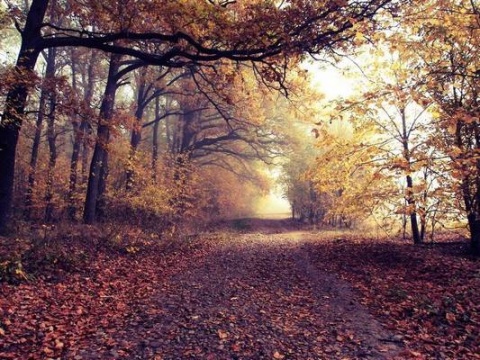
<point x="429" y="294"/>
<point x="250" y="296"/>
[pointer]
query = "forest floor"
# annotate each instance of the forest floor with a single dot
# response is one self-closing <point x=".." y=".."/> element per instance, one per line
<point x="268" y="290"/>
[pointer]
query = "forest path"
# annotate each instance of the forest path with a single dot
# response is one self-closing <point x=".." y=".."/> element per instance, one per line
<point x="260" y="294"/>
<point x="268" y="290"/>
<point x="257" y="296"/>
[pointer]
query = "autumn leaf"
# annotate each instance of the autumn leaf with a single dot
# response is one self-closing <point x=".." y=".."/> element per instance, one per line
<point x="48" y="351"/>
<point x="451" y="318"/>
<point x="222" y="334"/>
<point x="277" y="355"/>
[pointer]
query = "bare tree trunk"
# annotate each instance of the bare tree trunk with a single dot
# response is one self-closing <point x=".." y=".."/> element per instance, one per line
<point x="51" y="137"/>
<point x="72" y="185"/>
<point x="474" y="226"/>
<point x="85" y="156"/>
<point x="99" y="164"/>
<point x="80" y="135"/>
<point x="102" y="184"/>
<point x="471" y="199"/>
<point x="409" y="196"/>
<point x="155" y="141"/>
<point x="34" y="154"/>
<point x="137" y="129"/>
<point x="413" y="214"/>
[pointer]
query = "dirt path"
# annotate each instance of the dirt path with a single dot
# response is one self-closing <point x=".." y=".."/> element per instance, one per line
<point x="269" y="290"/>
<point x="222" y="296"/>
<point x="257" y="297"/>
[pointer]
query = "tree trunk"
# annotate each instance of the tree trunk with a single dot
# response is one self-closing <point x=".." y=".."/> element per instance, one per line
<point x="86" y="153"/>
<point x="155" y="141"/>
<point x="34" y="154"/>
<point x="51" y="137"/>
<point x="15" y="103"/>
<point x="80" y="135"/>
<point x="99" y="166"/>
<point x="72" y="185"/>
<point x="413" y="213"/>
<point x="409" y="196"/>
<point x="473" y="216"/>
<point x="474" y="226"/>
<point x="136" y="131"/>
<point x="470" y="199"/>
<point x="423" y="226"/>
<point x="100" y="208"/>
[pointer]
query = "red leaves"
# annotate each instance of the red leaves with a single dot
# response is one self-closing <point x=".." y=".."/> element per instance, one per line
<point x="427" y="293"/>
<point x="258" y="297"/>
<point x="42" y="319"/>
<point x="451" y="318"/>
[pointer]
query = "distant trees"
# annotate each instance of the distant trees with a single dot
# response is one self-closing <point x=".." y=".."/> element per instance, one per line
<point x="304" y="199"/>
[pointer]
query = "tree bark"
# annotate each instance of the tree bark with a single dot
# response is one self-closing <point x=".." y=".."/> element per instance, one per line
<point x="99" y="164"/>
<point x="155" y="141"/>
<point x="80" y="134"/>
<point x="413" y="214"/>
<point x="409" y="196"/>
<point x="51" y="138"/>
<point x="474" y="226"/>
<point x="471" y="199"/>
<point x="15" y="103"/>
<point x="34" y="154"/>
<point x="137" y="129"/>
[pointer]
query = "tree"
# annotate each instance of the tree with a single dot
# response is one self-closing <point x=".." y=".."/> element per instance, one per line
<point x="15" y="105"/>
<point x="150" y="86"/>
<point x="349" y="171"/>
<point x="206" y="32"/>
<point x="99" y="164"/>
<point x="84" y="73"/>
<point x="448" y="45"/>
<point x="46" y="92"/>
<point x="392" y="108"/>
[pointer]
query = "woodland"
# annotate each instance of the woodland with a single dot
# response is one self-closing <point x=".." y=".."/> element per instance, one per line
<point x="137" y="139"/>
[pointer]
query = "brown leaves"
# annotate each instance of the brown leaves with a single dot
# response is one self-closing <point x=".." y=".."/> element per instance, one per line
<point x="260" y="296"/>
<point x="222" y="334"/>
<point x="424" y="293"/>
<point x="60" y="319"/>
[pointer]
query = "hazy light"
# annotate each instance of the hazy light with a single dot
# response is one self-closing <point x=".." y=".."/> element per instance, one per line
<point x="273" y="203"/>
<point x="330" y="80"/>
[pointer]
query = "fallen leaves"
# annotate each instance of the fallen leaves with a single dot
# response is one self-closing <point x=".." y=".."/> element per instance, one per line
<point x="222" y="334"/>
<point x="425" y="292"/>
<point x="255" y="297"/>
<point x="61" y="319"/>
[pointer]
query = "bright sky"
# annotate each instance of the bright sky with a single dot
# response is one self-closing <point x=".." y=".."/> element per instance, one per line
<point x="330" y="80"/>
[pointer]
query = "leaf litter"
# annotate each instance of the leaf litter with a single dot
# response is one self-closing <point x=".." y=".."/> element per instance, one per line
<point x="251" y="296"/>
